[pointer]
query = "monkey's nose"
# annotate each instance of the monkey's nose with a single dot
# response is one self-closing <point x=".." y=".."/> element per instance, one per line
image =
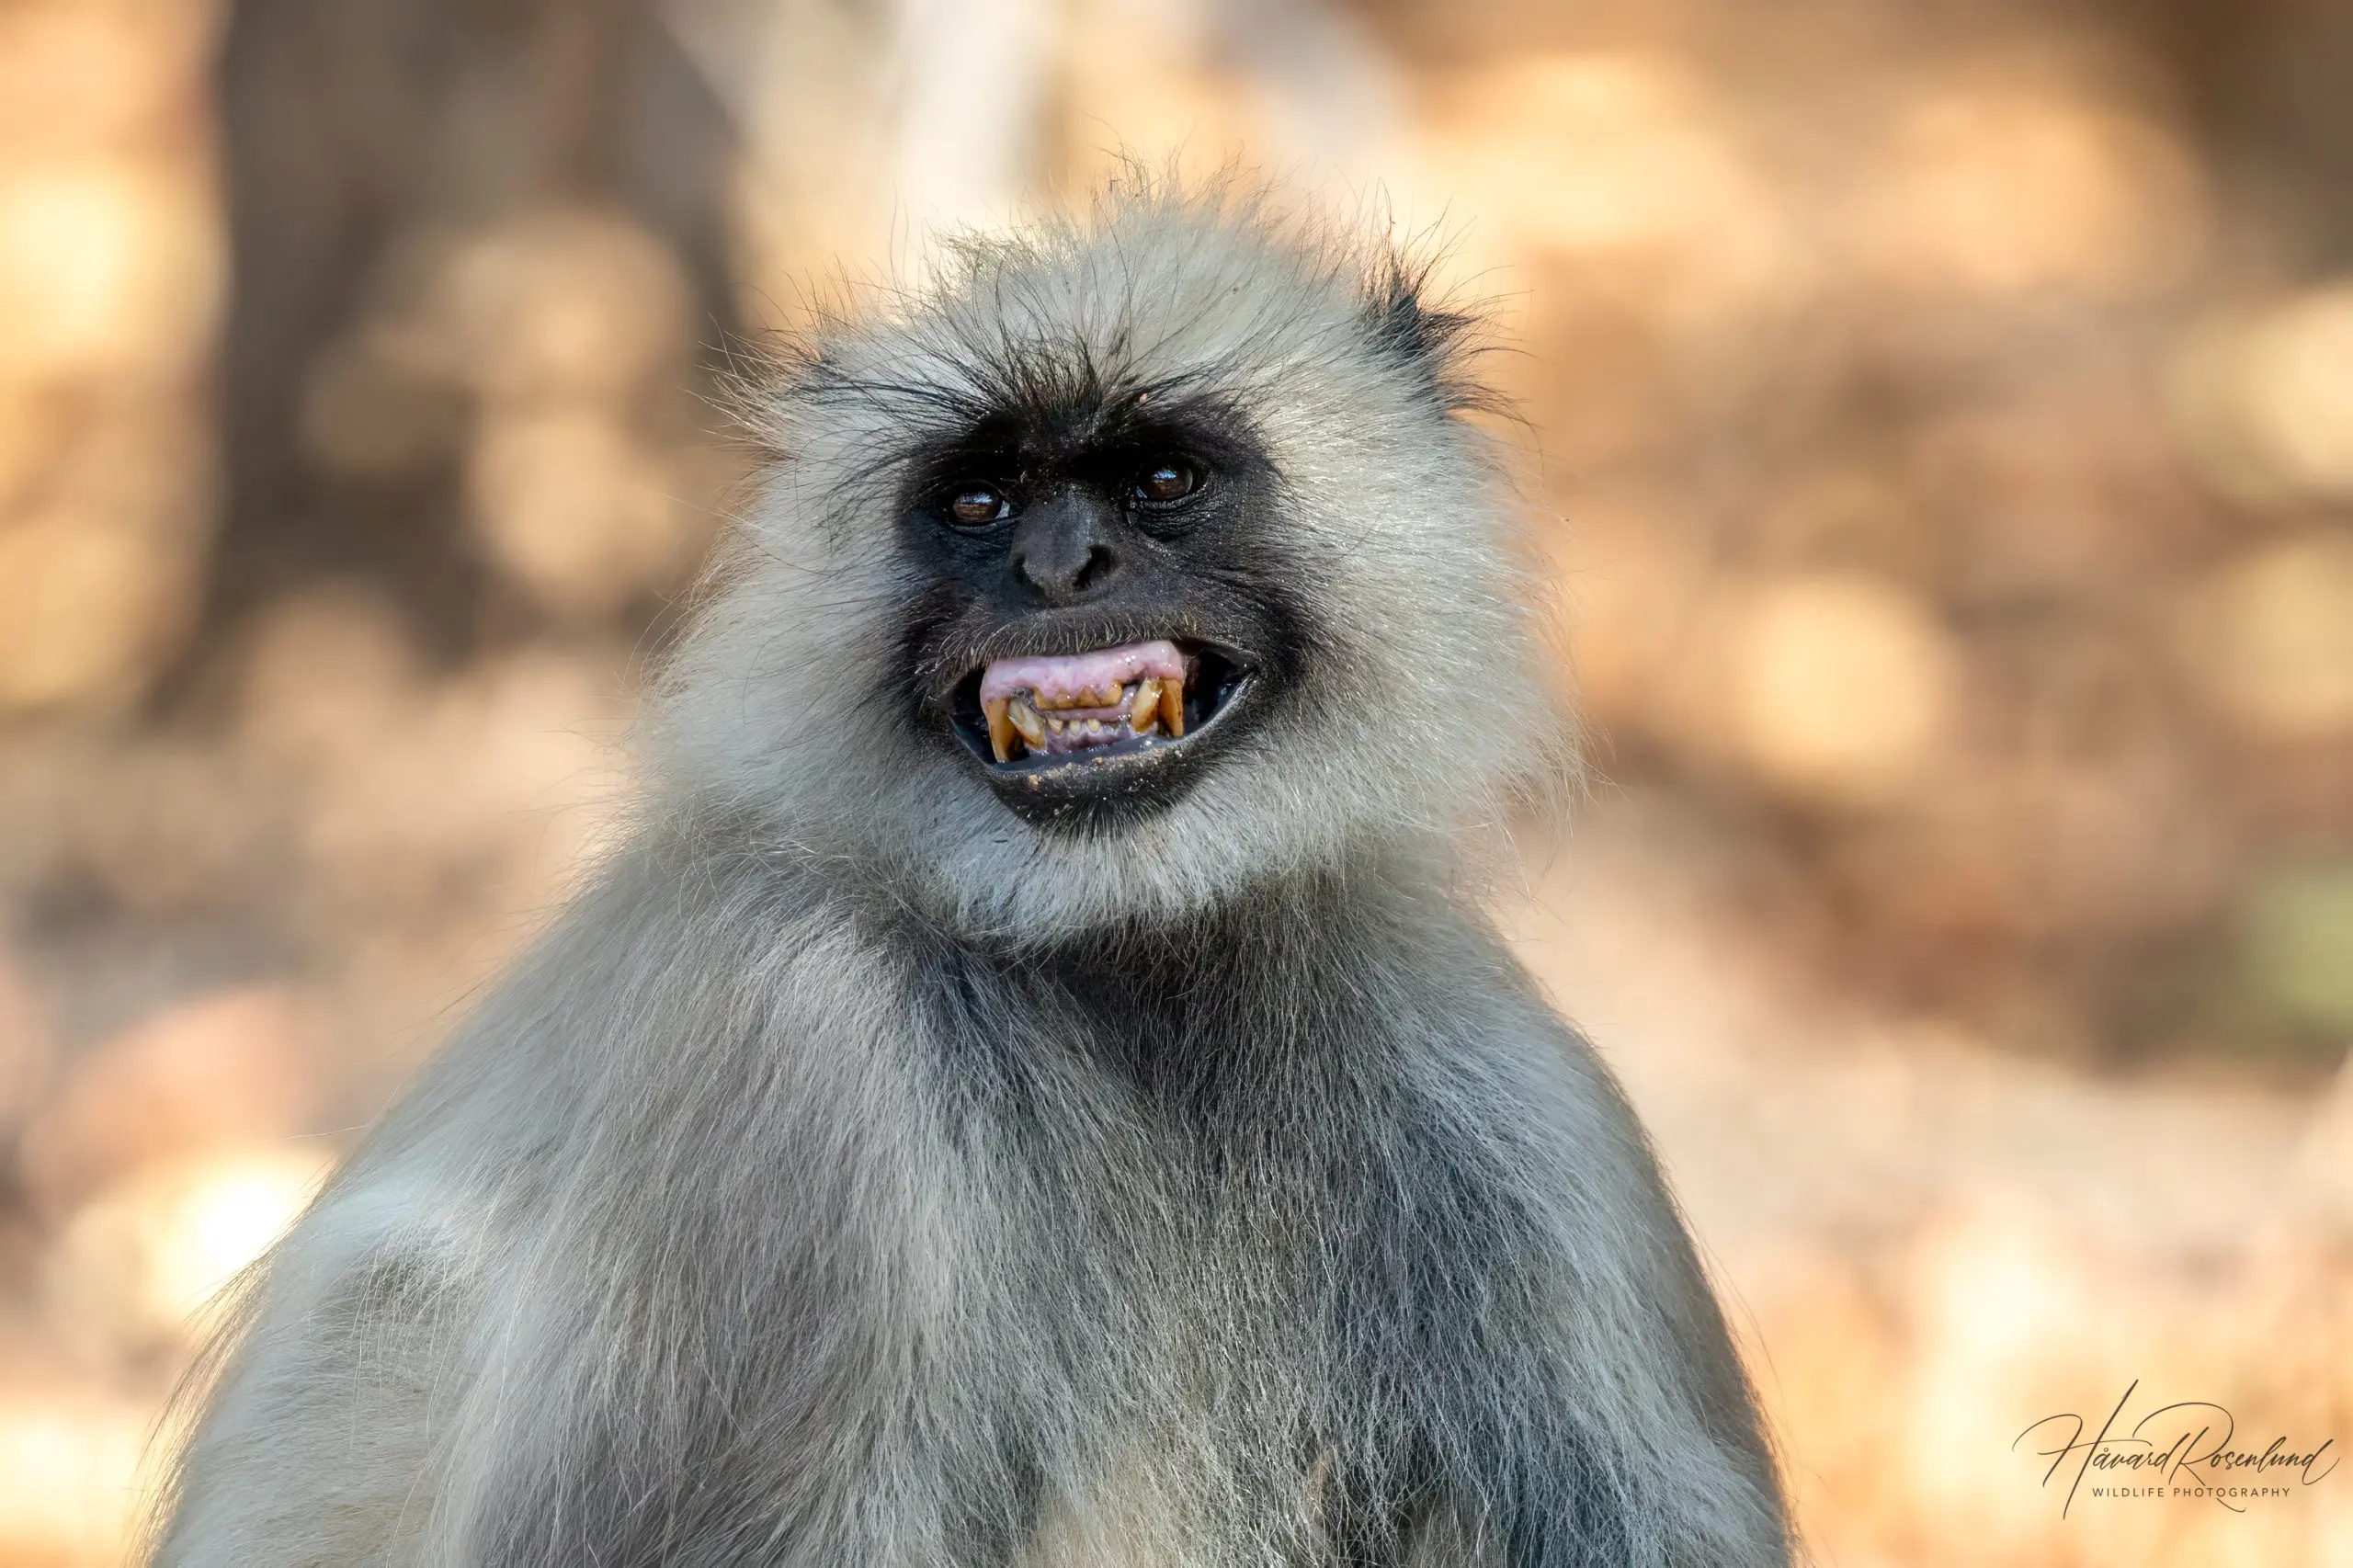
<point x="1063" y="550"/>
<point x="1066" y="579"/>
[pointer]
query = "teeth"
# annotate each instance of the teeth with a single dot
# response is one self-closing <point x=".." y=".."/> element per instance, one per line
<point x="1024" y="717"/>
<point x="1027" y="715"/>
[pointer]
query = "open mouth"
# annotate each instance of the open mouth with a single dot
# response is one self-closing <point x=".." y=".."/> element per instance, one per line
<point x="1045" y="712"/>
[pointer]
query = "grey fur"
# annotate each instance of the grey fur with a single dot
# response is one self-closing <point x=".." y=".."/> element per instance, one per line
<point x="861" y="1175"/>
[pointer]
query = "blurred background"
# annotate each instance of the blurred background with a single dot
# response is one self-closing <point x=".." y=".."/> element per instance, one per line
<point x="1941" y="418"/>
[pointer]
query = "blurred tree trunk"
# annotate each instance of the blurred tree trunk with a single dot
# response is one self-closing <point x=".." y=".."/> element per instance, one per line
<point x="2267" y="80"/>
<point x="358" y="131"/>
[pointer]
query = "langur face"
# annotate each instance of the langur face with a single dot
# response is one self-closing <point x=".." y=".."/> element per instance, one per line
<point x="1101" y="618"/>
<point x="1116" y="574"/>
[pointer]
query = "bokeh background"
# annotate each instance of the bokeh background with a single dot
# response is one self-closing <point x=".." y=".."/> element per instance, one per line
<point x="1940" y="419"/>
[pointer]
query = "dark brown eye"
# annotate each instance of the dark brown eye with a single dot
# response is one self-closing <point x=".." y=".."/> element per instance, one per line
<point x="1164" y="481"/>
<point x="977" y="505"/>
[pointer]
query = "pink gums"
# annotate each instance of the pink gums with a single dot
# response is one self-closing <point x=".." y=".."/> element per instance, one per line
<point x="1055" y="679"/>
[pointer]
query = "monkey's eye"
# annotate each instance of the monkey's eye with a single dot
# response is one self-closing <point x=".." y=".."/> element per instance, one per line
<point x="977" y="505"/>
<point x="1160" y="482"/>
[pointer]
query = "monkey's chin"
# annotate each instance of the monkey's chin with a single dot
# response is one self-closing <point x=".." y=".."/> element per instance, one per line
<point x="1059" y="754"/>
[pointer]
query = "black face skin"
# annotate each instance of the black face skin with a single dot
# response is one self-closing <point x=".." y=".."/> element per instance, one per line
<point x="1060" y="525"/>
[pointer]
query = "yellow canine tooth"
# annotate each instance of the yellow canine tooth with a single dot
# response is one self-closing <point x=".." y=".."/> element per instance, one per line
<point x="1172" y="705"/>
<point x="1024" y="718"/>
<point x="1146" y="707"/>
<point x="1000" y="727"/>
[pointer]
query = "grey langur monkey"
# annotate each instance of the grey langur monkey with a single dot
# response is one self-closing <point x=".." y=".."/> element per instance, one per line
<point x="1037" y="1087"/>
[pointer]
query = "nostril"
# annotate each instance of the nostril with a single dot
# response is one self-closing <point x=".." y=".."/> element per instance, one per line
<point x="1099" y="564"/>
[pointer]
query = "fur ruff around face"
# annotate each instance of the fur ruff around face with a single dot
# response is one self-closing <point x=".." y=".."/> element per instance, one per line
<point x="1413" y="711"/>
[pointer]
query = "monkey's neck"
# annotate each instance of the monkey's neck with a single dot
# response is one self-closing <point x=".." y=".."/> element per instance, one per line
<point x="1265" y="996"/>
<point x="1261" y="932"/>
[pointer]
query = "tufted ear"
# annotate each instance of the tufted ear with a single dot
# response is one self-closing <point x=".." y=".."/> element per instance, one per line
<point x="1404" y="324"/>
